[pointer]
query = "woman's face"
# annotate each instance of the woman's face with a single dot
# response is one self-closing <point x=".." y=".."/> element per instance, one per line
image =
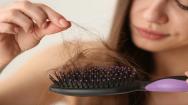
<point x="159" y="25"/>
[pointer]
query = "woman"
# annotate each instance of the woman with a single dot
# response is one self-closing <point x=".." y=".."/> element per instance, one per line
<point x="159" y="42"/>
<point x="152" y="39"/>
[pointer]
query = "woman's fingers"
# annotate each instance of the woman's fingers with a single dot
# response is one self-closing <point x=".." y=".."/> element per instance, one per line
<point x="40" y="13"/>
<point x="7" y="28"/>
<point x="33" y="11"/>
<point x="17" y="17"/>
<point x="51" y="28"/>
<point x="34" y="17"/>
<point x="55" y="17"/>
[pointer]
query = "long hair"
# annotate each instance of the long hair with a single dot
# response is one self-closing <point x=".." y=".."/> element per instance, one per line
<point x="128" y="51"/>
<point x="142" y="58"/>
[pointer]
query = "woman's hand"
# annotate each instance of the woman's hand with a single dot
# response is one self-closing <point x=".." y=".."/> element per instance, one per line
<point x="23" y="24"/>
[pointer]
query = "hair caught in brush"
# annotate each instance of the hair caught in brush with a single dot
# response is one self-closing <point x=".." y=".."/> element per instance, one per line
<point x="91" y="55"/>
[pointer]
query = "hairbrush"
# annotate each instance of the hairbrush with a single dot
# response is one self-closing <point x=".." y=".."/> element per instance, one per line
<point x="111" y="80"/>
<point x="102" y="71"/>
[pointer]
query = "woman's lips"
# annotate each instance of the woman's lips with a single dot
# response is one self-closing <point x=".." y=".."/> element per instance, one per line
<point x="149" y="34"/>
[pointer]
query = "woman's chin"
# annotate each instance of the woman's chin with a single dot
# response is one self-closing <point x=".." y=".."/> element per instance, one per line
<point x="149" y="47"/>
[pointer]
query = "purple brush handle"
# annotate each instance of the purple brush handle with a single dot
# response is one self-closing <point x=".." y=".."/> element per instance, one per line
<point x="167" y="85"/>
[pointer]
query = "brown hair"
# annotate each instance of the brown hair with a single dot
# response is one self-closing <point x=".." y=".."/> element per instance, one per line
<point x="127" y="50"/>
<point x="140" y="57"/>
<point x="101" y="55"/>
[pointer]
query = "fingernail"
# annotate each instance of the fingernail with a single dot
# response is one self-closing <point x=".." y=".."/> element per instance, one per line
<point x="63" y="23"/>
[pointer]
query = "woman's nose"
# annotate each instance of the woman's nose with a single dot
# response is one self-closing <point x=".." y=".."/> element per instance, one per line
<point x="156" y="13"/>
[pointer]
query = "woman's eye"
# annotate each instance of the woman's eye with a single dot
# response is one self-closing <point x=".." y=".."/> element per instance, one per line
<point x="182" y="4"/>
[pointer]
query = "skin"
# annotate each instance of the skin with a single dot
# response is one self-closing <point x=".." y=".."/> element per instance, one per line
<point x="27" y="83"/>
<point x="170" y="54"/>
<point x="21" y="30"/>
<point x="23" y="24"/>
<point x="164" y="15"/>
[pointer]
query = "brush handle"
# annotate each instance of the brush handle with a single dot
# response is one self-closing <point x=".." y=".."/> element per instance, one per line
<point x="169" y="84"/>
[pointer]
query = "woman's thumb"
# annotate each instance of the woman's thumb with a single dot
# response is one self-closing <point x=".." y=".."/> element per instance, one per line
<point x="29" y="41"/>
<point x="51" y="28"/>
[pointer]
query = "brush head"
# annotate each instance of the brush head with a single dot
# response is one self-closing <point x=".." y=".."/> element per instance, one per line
<point x="95" y="81"/>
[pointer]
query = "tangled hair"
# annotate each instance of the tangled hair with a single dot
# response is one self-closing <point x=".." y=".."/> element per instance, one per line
<point x="142" y="58"/>
<point x="98" y="53"/>
<point x="96" y="56"/>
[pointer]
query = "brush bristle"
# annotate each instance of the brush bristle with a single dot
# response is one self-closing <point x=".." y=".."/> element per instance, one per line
<point x="94" y="77"/>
